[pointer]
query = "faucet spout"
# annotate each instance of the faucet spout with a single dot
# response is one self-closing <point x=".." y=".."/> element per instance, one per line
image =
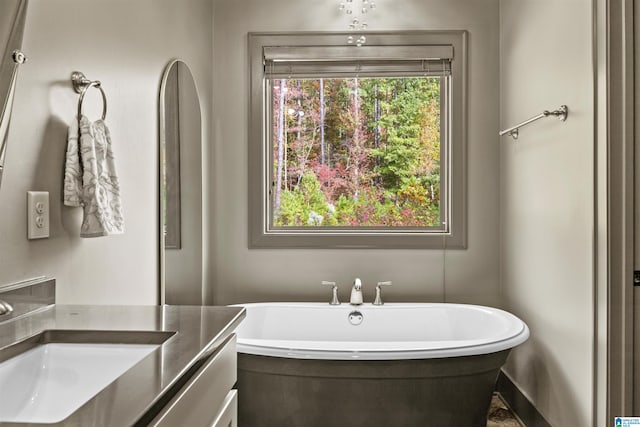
<point x="356" y="292"/>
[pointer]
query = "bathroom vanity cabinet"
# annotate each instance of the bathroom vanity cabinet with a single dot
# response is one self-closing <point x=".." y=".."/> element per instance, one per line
<point x="209" y="388"/>
<point x="184" y="379"/>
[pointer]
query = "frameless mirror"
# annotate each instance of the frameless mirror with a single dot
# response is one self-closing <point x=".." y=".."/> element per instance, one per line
<point x="12" y="20"/>
<point x="180" y="188"/>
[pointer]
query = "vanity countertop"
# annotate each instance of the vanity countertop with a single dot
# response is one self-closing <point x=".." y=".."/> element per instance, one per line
<point x="197" y="332"/>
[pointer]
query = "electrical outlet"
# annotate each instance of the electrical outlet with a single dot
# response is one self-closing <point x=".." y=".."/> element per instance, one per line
<point x="37" y="214"/>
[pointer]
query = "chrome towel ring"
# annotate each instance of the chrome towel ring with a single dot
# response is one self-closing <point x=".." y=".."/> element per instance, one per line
<point x="81" y="84"/>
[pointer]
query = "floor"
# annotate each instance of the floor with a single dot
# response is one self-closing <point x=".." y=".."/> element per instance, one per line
<point x="500" y="415"/>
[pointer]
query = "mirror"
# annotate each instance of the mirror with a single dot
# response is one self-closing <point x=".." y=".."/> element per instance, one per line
<point x="180" y="187"/>
<point x="12" y="20"/>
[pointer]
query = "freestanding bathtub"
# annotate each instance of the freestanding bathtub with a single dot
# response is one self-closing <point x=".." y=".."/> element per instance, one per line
<point x="426" y="365"/>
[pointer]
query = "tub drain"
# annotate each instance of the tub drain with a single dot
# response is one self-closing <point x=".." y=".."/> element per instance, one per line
<point x="355" y="318"/>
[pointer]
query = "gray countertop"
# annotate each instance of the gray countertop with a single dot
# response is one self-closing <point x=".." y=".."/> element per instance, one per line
<point x="197" y="332"/>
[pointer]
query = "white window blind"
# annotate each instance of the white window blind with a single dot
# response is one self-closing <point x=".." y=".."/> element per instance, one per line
<point x="344" y="61"/>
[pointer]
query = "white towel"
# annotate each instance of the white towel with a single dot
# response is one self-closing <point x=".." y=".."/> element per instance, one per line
<point x="72" y="170"/>
<point x="90" y="179"/>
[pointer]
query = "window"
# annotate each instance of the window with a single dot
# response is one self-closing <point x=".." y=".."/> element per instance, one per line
<point x="357" y="147"/>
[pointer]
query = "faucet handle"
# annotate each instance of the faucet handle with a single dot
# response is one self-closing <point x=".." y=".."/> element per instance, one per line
<point x="334" y="289"/>
<point x="5" y="308"/>
<point x="378" y="300"/>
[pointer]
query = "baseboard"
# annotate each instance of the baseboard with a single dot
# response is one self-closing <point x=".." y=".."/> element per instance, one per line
<point x="518" y="403"/>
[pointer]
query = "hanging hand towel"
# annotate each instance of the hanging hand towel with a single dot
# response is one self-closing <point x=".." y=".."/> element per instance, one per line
<point x="72" y="170"/>
<point x="91" y="180"/>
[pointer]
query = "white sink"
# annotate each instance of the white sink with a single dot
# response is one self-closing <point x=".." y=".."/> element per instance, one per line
<point x="49" y="382"/>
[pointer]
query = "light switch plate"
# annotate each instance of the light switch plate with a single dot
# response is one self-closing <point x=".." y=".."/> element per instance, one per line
<point x="37" y="214"/>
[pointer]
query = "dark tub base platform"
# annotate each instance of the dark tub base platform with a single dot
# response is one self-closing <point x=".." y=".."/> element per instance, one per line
<point x="279" y="392"/>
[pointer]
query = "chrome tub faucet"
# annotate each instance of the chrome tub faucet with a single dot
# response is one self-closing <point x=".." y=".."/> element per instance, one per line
<point x="356" y="292"/>
<point x="334" y="288"/>
<point x="378" y="300"/>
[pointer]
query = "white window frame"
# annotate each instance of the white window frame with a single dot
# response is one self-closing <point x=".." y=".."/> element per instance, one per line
<point x="452" y="234"/>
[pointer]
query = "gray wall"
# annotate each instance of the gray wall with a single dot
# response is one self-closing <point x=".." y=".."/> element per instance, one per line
<point x="125" y="44"/>
<point x="530" y="203"/>
<point x="547" y="202"/>
<point x="242" y="275"/>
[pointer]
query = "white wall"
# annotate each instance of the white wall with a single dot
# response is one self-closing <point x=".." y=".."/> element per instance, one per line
<point x="242" y="275"/>
<point x="125" y="44"/>
<point x="547" y="202"/>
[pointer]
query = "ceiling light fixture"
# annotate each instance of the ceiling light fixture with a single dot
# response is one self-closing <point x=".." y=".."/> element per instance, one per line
<point x="357" y="18"/>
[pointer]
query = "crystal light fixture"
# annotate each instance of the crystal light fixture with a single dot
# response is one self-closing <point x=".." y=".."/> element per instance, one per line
<point x="357" y="20"/>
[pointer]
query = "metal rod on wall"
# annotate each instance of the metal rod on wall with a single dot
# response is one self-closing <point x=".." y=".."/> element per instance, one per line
<point x="11" y="58"/>
<point x="561" y="113"/>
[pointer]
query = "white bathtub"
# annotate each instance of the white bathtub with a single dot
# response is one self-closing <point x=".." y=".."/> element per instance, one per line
<point x="393" y="331"/>
<point x="306" y="364"/>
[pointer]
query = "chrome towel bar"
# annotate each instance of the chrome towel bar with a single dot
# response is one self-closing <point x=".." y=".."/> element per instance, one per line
<point x="561" y="113"/>
<point x="81" y="84"/>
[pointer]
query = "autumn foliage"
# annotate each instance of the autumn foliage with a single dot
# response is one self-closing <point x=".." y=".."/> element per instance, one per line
<point x="356" y="152"/>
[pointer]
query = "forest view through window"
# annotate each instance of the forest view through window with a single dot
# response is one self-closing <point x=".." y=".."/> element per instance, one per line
<point x="356" y="152"/>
